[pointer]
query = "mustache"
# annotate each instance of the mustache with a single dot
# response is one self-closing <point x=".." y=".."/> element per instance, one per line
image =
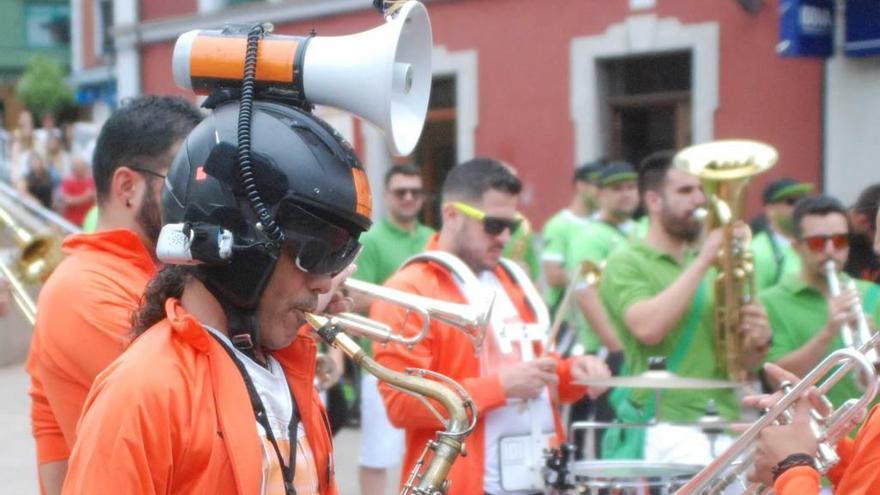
<point x="307" y="304"/>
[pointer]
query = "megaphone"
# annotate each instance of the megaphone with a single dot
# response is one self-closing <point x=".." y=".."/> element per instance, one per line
<point x="382" y="75"/>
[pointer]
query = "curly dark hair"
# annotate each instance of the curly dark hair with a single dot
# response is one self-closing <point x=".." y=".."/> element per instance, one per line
<point x="168" y="282"/>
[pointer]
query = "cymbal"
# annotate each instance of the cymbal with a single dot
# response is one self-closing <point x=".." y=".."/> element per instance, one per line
<point x="658" y="379"/>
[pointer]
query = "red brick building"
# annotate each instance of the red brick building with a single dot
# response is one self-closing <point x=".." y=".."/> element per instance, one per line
<point x="541" y="84"/>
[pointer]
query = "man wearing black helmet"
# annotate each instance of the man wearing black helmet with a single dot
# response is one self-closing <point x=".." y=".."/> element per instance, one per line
<point x="216" y="394"/>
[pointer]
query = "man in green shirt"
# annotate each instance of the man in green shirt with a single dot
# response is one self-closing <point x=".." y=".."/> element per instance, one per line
<point x="771" y="245"/>
<point x="805" y="318"/>
<point x="618" y="199"/>
<point x="560" y="227"/>
<point x="390" y="242"/>
<point x="659" y="295"/>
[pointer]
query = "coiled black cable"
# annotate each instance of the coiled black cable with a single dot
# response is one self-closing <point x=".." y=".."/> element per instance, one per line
<point x="245" y="113"/>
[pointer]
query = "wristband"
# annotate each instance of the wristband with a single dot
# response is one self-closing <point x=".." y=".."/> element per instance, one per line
<point x="794" y="460"/>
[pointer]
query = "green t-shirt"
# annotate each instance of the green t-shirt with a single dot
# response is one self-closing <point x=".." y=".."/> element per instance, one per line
<point x="557" y="232"/>
<point x="90" y="222"/>
<point x="594" y="242"/>
<point x="797" y="312"/>
<point x="768" y="271"/>
<point x="637" y="272"/>
<point x="386" y="247"/>
<point x="521" y="247"/>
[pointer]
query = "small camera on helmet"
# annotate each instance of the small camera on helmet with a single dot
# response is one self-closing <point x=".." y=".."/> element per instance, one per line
<point x="193" y="243"/>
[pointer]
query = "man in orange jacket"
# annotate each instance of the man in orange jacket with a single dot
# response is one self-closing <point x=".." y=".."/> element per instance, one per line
<point x="216" y="394"/>
<point x="84" y="310"/>
<point x="512" y="381"/>
<point x="785" y="454"/>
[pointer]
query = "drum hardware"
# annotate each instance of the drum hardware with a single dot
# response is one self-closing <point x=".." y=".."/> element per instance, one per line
<point x="557" y="474"/>
<point x="630" y="477"/>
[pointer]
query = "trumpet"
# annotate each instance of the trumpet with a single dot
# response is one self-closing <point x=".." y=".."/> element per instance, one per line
<point x="426" y="478"/>
<point x="471" y="319"/>
<point x="852" y="337"/>
<point x="829" y="428"/>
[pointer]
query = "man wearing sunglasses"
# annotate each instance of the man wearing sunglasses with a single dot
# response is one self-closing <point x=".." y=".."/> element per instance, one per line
<point x="806" y="320"/>
<point x="387" y="244"/>
<point x="84" y="309"/>
<point x="771" y="244"/>
<point x="216" y="393"/>
<point x="508" y="368"/>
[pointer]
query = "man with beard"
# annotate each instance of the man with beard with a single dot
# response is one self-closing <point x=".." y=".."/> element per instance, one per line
<point x="658" y="293"/>
<point x="771" y="245"/>
<point x="216" y="394"/>
<point x="863" y="262"/>
<point x="387" y="244"/>
<point x="806" y="319"/>
<point x="84" y="309"/>
<point x="506" y="374"/>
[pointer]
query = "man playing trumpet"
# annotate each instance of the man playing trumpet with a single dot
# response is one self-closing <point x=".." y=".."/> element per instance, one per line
<point x="785" y="455"/>
<point x="807" y="320"/>
<point x="479" y="216"/>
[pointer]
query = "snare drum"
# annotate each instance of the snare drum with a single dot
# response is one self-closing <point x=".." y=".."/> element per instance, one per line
<point x="630" y="477"/>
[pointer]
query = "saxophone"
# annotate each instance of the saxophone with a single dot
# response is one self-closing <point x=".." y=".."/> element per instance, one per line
<point x="725" y="169"/>
<point x="426" y="478"/>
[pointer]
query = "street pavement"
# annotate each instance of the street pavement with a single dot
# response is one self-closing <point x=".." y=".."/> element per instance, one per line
<point x="18" y="458"/>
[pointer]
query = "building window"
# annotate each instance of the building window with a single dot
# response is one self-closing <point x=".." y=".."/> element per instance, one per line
<point x="47" y="25"/>
<point x="436" y="152"/>
<point x="104" y="46"/>
<point x="647" y="103"/>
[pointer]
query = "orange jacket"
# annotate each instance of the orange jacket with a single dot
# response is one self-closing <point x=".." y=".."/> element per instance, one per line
<point x="448" y="351"/>
<point x="172" y="415"/>
<point x="857" y="473"/>
<point x="83" y="321"/>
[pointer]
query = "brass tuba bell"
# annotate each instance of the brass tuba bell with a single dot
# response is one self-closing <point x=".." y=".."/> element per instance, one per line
<point x="725" y="169"/>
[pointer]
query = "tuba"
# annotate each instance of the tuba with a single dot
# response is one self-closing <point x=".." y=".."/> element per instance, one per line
<point x="426" y="478"/>
<point x="725" y="169"/>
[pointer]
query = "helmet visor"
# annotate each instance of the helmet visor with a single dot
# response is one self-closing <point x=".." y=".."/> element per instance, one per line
<point x="318" y="246"/>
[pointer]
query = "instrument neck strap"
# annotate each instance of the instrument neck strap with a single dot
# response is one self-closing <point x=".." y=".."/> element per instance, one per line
<point x="288" y="469"/>
<point x="533" y="298"/>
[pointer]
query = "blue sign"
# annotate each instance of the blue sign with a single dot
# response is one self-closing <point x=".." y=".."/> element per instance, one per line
<point x="806" y="28"/>
<point x="89" y="94"/>
<point x="862" y="28"/>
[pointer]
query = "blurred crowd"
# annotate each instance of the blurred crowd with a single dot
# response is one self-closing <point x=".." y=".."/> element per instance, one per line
<point x="51" y="166"/>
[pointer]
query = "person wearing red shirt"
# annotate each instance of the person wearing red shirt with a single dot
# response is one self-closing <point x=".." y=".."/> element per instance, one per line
<point x="77" y="192"/>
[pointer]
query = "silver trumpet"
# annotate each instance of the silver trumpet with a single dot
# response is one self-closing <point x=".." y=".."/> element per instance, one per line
<point x="852" y="337"/>
<point x="733" y="464"/>
<point x="470" y="319"/>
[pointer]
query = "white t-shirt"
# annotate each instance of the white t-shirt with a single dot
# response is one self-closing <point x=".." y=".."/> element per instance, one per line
<point x="271" y="385"/>
<point x="512" y="419"/>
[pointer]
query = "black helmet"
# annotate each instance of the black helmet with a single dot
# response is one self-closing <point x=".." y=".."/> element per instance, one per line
<point x="307" y="177"/>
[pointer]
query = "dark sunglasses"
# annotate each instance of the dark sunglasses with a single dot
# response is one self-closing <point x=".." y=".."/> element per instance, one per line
<point x="491" y="225"/>
<point x="402" y="192"/>
<point x="816" y="243"/>
<point x="317" y="246"/>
